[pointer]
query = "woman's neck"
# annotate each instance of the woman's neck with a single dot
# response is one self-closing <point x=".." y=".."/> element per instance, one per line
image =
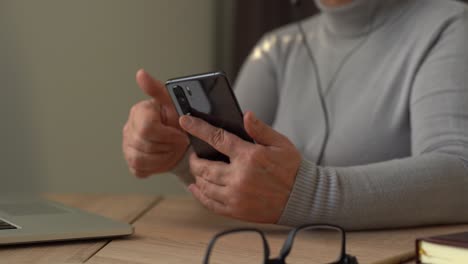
<point x="335" y="3"/>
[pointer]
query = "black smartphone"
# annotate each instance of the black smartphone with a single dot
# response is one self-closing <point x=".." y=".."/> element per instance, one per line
<point x="208" y="96"/>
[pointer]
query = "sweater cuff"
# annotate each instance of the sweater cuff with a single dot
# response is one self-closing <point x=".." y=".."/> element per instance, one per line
<point x="182" y="170"/>
<point x="301" y="200"/>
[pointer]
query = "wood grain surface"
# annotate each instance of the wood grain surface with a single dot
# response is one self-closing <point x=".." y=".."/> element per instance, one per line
<point x="125" y="208"/>
<point x="179" y="229"/>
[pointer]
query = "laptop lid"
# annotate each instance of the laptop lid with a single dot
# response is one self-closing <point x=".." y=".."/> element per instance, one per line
<point x="32" y="219"/>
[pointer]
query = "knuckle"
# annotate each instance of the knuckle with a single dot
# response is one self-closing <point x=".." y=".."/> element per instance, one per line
<point x="134" y="109"/>
<point x="137" y="161"/>
<point x="148" y="113"/>
<point x="128" y="140"/>
<point x="198" y="182"/>
<point x="149" y="128"/>
<point x="137" y="108"/>
<point x="148" y="104"/>
<point x="145" y="132"/>
<point x="217" y="176"/>
<point x="203" y="172"/>
<point x="208" y="204"/>
<point x="141" y="146"/>
<point x="193" y="161"/>
<point x="203" y="186"/>
<point x="218" y="136"/>
<point x="145" y="147"/>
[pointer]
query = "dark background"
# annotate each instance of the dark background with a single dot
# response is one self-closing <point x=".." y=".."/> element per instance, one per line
<point x="253" y="18"/>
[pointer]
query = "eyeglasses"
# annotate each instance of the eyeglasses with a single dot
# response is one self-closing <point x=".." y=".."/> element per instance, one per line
<point x="312" y="244"/>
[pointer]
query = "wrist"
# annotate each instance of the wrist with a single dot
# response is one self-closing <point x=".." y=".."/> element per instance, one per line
<point x="182" y="168"/>
<point x="297" y="208"/>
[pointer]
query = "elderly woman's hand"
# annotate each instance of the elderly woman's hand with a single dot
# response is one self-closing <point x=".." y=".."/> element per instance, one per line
<point x="152" y="139"/>
<point x="255" y="186"/>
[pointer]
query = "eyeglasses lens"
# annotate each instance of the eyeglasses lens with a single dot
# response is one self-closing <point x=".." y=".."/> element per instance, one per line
<point x="238" y="248"/>
<point x="316" y="245"/>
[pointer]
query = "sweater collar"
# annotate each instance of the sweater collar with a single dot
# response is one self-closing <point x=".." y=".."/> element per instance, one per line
<point x="356" y="18"/>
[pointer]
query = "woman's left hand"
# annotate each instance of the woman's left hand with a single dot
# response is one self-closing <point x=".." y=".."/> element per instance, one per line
<point x="256" y="185"/>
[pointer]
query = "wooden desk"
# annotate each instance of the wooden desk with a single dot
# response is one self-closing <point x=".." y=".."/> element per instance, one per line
<point x="127" y="208"/>
<point x="177" y="230"/>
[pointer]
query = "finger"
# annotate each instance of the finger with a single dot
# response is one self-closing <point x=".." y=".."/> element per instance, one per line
<point x="211" y="171"/>
<point x="146" y="146"/>
<point x="157" y="132"/>
<point x="158" y="92"/>
<point x="145" y="162"/>
<point x="221" y="140"/>
<point x="153" y="111"/>
<point x="140" y="174"/>
<point x="210" y="204"/>
<point x="210" y="190"/>
<point x="152" y="87"/>
<point x="148" y="110"/>
<point x="263" y="134"/>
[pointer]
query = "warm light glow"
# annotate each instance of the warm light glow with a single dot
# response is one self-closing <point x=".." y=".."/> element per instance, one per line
<point x="264" y="47"/>
<point x="267" y="45"/>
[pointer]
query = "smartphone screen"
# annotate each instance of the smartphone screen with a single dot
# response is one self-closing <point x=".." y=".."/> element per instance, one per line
<point x="209" y="97"/>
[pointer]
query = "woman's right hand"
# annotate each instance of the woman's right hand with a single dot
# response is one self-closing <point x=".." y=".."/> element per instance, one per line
<point x="153" y="141"/>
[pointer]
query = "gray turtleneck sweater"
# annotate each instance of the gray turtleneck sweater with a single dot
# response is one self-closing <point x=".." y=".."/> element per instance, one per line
<point x="395" y="78"/>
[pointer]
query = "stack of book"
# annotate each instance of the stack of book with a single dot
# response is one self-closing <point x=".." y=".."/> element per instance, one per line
<point x="444" y="249"/>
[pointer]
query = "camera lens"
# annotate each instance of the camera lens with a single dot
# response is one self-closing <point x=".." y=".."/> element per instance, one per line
<point x="182" y="99"/>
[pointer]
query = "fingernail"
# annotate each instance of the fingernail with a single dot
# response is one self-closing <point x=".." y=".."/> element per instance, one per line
<point x="186" y="121"/>
<point x="139" y="73"/>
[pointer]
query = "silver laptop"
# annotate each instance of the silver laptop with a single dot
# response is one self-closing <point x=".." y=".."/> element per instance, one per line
<point x="31" y="220"/>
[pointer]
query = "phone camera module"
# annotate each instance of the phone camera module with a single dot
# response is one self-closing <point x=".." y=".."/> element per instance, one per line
<point x="182" y="99"/>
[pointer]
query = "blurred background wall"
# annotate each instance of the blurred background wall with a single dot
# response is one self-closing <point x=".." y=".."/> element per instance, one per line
<point x="67" y="82"/>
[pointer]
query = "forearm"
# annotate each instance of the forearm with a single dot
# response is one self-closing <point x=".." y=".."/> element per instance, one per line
<point x="422" y="190"/>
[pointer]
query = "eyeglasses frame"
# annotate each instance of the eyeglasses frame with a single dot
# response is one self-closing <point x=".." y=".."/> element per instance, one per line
<point x="288" y="244"/>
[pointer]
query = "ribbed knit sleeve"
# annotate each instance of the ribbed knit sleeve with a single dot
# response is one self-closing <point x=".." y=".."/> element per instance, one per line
<point x="431" y="186"/>
<point x="423" y="190"/>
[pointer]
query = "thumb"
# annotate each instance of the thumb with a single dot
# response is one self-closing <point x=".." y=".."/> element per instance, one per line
<point x="157" y="90"/>
<point x="262" y="133"/>
<point x="152" y="87"/>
